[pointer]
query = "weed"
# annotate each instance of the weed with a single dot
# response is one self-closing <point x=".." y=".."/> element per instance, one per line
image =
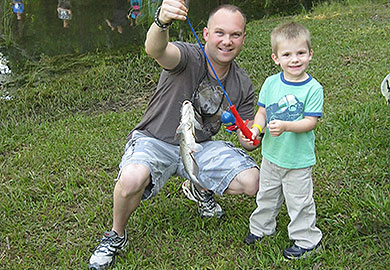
<point x="62" y="137"/>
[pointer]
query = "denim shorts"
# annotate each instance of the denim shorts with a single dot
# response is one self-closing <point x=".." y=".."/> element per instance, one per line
<point x="219" y="162"/>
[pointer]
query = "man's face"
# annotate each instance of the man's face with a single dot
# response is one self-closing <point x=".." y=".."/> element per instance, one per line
<point x="224" y="36"/>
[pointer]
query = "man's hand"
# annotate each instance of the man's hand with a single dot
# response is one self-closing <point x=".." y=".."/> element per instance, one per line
<point x="246" y="142"/>
<point x="173" y="10"/>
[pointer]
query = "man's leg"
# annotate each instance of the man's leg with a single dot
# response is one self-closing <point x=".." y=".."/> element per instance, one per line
<point x="145" y="160"/>
<point x="128" y="193"/>
<point x="246" y="182"/>
<point x="223" y="169"/>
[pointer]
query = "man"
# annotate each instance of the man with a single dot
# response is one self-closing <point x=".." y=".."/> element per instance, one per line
<point x="152" y="152"/>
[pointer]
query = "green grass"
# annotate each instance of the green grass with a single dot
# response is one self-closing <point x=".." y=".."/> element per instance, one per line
<point x="62" y="137"/>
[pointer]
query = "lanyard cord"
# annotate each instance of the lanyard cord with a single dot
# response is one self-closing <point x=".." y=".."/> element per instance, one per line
<point x="211" y="66"/>
<point x="241" y="125"/>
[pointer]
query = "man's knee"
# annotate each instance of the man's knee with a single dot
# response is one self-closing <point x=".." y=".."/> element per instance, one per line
<point x="252" y="186"/>
<point x="250" y="179"/>
<point x="133" y="179"/>
<point x="246" y="182"/>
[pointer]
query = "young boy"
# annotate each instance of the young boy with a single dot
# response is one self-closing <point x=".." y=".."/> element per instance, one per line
<point x="290" y="104"/>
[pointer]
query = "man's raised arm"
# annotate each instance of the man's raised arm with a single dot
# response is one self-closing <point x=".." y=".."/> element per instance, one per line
<point x="157" y="43"/>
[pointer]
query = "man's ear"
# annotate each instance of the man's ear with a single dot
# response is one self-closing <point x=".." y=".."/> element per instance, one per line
<point x="205" y="34"/>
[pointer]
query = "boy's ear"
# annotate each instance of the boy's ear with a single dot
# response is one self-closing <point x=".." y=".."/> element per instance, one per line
<point x="275" y="58"/>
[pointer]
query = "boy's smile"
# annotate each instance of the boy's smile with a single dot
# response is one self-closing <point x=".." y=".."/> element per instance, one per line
<point x="294" y="57"/>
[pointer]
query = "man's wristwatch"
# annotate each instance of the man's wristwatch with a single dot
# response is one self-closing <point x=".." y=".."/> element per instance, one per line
<point x="163" y="26"/>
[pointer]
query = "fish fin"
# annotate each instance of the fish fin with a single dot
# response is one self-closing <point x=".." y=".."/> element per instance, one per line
<point x="196" y="167"/>
<point x="179" y="129"/>
<point x="197" y="125"/>
<point x="196" y="147"/>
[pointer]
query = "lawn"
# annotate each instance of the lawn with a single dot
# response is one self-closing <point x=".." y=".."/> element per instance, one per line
<point x="62" y="137"/>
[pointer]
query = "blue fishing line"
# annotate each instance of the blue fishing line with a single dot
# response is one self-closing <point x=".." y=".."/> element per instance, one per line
<point x="200" y="44"/>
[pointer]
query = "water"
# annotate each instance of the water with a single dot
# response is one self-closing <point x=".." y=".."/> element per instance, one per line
<point x="5" y="73"/>
<point x="53" y="27"/>
<point x="60" y="27"/>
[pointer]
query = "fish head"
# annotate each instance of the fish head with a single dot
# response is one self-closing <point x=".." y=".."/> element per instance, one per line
<point x="187" y="112"/>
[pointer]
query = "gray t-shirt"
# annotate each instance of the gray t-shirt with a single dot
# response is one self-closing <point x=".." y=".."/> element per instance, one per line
<point x="162" y="116"/>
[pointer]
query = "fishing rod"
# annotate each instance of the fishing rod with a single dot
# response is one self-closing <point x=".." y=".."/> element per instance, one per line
<point x="240" y="124"/>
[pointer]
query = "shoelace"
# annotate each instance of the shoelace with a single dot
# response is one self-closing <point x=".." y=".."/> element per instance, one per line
<point x="208" y="200"/>
<point x="105" y="244"/>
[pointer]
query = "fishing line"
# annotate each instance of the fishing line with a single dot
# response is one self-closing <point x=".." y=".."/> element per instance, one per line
<point x="211" y="66"/>
<point x="241" y="125"/>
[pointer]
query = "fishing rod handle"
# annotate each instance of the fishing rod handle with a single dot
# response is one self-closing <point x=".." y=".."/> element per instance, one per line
<point x="244" y="129"/>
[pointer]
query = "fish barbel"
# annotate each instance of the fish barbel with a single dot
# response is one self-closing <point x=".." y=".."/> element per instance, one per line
<point x="385" y="88"/>
<point x="188" y="146"/>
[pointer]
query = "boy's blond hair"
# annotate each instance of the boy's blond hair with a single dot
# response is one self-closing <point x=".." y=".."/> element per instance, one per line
<point x="289" y="31"/>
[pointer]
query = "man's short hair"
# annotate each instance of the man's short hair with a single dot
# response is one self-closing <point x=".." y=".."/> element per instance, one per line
<point x="231" y="8"/>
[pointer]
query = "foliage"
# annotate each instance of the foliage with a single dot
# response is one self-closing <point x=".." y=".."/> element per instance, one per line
<point x="62" y="136"/>
<point x="5" y="19"/>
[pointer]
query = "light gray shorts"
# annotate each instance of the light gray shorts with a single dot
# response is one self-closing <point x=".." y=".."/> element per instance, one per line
<point x="219" y="162"/>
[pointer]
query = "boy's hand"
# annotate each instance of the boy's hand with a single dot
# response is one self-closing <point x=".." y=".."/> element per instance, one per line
<point x="276" y="127"/>
<point x="255" y="133"/>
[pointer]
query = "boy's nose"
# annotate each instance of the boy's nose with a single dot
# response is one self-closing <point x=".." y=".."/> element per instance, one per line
<point x="294" y="58"/>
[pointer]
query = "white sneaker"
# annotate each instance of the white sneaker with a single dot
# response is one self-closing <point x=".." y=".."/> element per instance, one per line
<point x="105" y="252"/>
<point x="207" y="206"/>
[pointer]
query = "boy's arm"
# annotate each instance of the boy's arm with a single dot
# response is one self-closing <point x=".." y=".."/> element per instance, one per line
<point x="259" y="120"/>
<point x="277" y="127"/>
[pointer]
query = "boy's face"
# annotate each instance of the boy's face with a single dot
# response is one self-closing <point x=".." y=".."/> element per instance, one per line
<point x="293" y="56"/>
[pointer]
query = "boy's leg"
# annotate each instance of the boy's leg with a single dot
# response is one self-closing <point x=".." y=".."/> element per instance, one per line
<point x="298" y="192"/>
<point x="269" y="199"/>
